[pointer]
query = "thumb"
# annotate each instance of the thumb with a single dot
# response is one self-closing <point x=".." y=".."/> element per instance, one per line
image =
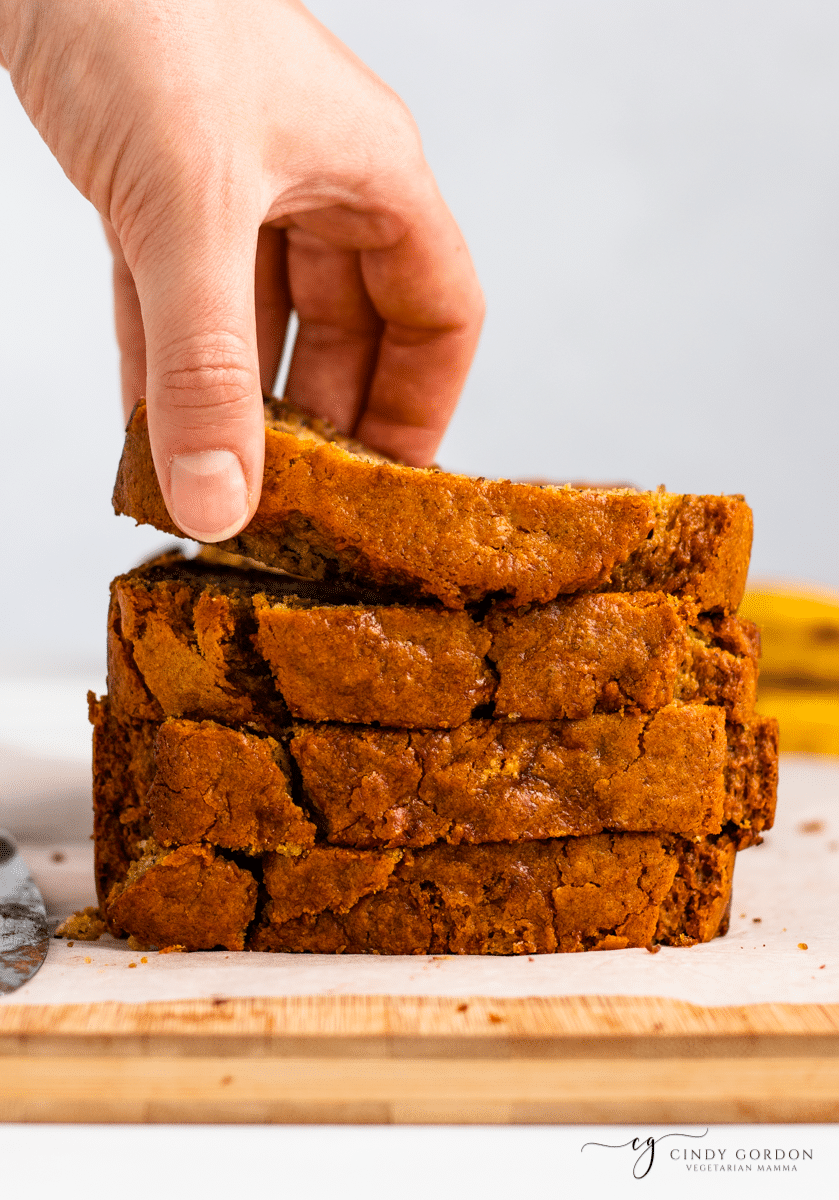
<point x="195" y="283"/>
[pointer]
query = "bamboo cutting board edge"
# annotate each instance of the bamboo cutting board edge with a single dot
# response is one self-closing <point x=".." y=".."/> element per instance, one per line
<point x="419" y="1060"/>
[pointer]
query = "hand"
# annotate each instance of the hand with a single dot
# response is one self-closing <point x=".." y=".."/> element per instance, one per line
<point x="225" y="143"/>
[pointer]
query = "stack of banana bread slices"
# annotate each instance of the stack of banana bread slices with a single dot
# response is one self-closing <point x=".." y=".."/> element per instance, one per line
<point x="481" y="717"/>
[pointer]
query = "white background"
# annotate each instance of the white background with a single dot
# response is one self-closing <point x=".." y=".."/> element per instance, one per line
<point x="400" y="1163"/>
<point x="651" y="193"/>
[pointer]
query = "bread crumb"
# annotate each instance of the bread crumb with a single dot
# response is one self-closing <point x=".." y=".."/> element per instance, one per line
<point x="85" y="926"/>
<point x="803" y="946"/>
<point x="145" y="960"/>
<point x="653" y="949"/>
<point x="811" y="827"/>
<point x="69" y="944"/>
<point x="57" y="856"/>
<point x="822" y="967"/>
<point x="756" y="920"/>
<point x="176" y="949"/>
<point x="88" y="959"/>
<point x="132" y="964"/>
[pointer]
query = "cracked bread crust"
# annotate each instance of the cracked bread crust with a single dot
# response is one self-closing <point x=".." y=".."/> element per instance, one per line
<point x="190" y="640"/>
<point x="177" y="782"/>
<point x="330" y="509"/>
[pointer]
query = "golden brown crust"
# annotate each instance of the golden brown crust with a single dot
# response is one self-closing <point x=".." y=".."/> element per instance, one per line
<point x="123" y="768"/>
<point x="188" y="896"/>
<point x="324" y="877"/>
<point x="574" y="893"/>
<point x="184" y="641"/>
<point x="329" y="511"/>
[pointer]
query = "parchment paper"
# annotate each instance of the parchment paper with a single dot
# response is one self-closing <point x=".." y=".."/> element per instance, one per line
<point x="786" y="892"/>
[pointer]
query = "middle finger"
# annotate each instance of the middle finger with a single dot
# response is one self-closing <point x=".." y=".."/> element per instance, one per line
<point x="339" y="330"/>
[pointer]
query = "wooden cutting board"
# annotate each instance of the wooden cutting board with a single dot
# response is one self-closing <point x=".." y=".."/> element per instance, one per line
<point x="415" y="1060"/>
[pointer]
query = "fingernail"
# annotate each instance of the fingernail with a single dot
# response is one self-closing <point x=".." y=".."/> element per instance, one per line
<point x="209" y="495"/>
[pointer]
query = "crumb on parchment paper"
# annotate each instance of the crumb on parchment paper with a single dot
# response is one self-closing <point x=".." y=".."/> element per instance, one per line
<point x="85" y="926"/>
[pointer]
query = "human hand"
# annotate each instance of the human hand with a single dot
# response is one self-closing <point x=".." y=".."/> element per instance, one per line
<point x="224" y="144"/>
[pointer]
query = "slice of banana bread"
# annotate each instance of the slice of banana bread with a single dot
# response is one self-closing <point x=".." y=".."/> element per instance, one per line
<point x="330" y="508"/>
<point x="192" y="638"/>
<point x="567" y="894"/>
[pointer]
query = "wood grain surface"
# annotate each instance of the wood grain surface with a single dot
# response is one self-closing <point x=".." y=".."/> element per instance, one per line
<point x="385" y="1059"/>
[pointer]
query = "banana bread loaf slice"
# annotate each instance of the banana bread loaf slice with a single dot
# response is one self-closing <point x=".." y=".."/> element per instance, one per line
<point x="568" y="894"/>
<point x="331" y="509"/>
<point x="192" y="638"/>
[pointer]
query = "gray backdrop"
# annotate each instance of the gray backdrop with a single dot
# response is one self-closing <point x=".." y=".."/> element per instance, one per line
<point x="651" y="194"/>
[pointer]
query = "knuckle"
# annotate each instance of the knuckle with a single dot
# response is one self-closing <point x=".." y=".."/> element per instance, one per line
<point x="214" y="373"/>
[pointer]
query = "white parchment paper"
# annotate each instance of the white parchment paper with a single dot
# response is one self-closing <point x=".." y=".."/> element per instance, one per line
<point x="786" y="892"/>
